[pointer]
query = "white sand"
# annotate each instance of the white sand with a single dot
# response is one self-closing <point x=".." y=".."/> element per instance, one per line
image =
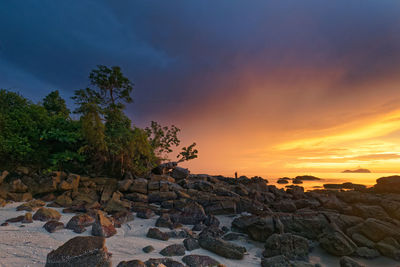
<point x="29" y="245"/>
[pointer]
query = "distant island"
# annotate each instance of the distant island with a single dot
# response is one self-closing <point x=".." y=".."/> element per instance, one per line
<point x="357" y="171"/>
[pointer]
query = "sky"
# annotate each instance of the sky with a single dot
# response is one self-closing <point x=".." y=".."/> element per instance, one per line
<point x="263" y="87"/>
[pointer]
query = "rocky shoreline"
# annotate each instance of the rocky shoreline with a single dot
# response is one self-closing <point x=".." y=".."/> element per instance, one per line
<point x="355" y="225"/>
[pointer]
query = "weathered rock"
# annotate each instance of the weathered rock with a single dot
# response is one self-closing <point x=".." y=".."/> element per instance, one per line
<point x="122" y="217"/>
<point x="52" y="226"/>
<point x="132" y="263"/>
<point x="276" y="261"/>
<point x="124" y="185"/>
<point x="64" y="200"/>
<point x="390" y="184"/>
<point x="139" y="186"/>
<point x="173" y="250"/>
<point x="284" y="180"/>
<point x="136" y="197"/>
<point x="32" y="205"/>
<point x="349" y="262"/>
<point x="155" y="233"/>
<point x="337" y="243"/>
<point x="15" y="219"/>
<point x="285" y="206"/>
<point x="367" y="253"/>
<point x="193" y="213"/>
<point x="27" y="218"/>
<point x="70" y="183"/>
<point x="79" y="222"/>
<point x="19" y="197"/>
<point x="161" y="196"/>
<point x="148" y="249"/>
<point x="377" y="230"/>
<point x="191" y="244"/>
<point x="46" y="214"/>
<point x="389" y="247"/>
<point x="222" y="247"/>
<point x="17" y="186"/>
<point x="179" y="173"/>
<point x="369" y="211"/>
<point x="103" y="226"/>
<point x="80" y="251"/>
<point x="164" y="221"/>
<point x="145" y="214"/>
<point x="292" y="246"/>
<point x="362" y="241"/>
<point x="258" y="228"/>
<point x="199" y="261"/>
<point x="163" y="262"/>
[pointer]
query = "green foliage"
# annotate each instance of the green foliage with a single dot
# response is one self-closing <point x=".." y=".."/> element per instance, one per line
<point x="114" y="87"/>
<point x="55" y="105"/>
<point x="188" y="153"/>
<point x="162" y="139"/>
<point x="103" y="140"/>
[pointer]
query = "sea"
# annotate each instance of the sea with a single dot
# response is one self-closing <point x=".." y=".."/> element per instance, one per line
<point x="368" y="179"/>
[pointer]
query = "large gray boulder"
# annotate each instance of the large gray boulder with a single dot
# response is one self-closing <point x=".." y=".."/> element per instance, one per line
<point x="292" y="246"/>
<point x="80" y="251"/>
<point x="337" y="243"/>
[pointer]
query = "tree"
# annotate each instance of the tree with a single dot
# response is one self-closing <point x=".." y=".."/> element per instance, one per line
<point x="92" y="128"/>
<point x="55" y="105"/>
<point x="162" y="138"/>
<point x="114" y="87"/>
<point x="188" y="153"/>
<point x="21" y="124"/>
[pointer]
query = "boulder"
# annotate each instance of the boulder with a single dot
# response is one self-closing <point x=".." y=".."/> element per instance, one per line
<point x="389" y="247"/>
<point x="132" y="263"/>
<point x="349" y="262"/>
<point x="367" y="253"/>
<point x="191" y="244"/>
<point x="390" y="184"/>
<point x="27" y="218"/>
<point x="124" y="185"/>
<point x="145" y="214"/>
<point x="80" y="251"/>
<point x="292" y="246"/>
<point x="155" y="233"/>
<point x="337" y="243"/>
<point x="148" y="249"/>
<point x="199" y="261"/>
<point x="377" y="230"/>
<point x="163" y="262"/>
<point x="19" y="197"/>
<point x="161" y="196"/>
<point x="139" y="186"/>
<point x="276" y="261"/>
<point x="221" y="247"/>
<point x="369" y="211"/>
<point x="17" y="186"/>
<point x="79" y="222"/>
<point x="52" y="226"/>
<point x="179" y="173"/>
<point x="103" y="226"/>
<point x="46" y="214"/>
<point x="192" y="213"/>
<point x="32" y="205"/>
<point x="173" y="250"/>
<point x="258" y="228"/>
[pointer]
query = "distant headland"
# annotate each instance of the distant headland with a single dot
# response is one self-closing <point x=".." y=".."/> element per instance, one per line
<point x="357" y="171"/>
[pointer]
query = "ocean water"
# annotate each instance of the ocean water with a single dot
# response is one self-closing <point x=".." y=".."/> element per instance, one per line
<point x="368" y="179"/>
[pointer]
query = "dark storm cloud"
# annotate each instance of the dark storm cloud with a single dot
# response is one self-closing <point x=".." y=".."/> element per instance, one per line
<point x="186" y="53"/>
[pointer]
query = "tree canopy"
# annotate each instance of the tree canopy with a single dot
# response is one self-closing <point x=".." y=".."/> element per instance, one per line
<point x="103" y="140"/>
